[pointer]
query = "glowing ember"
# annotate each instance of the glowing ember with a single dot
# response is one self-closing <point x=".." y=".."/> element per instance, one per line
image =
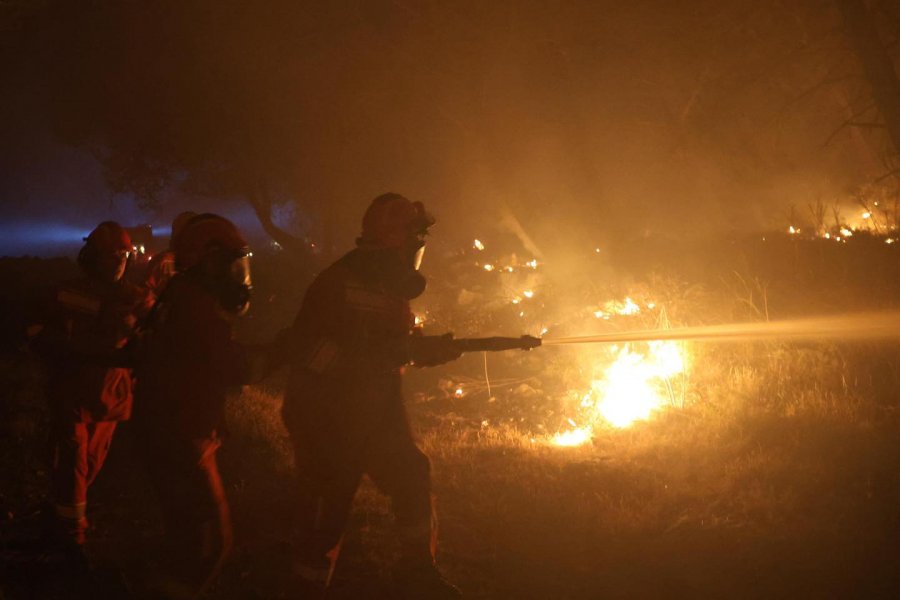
<point x="528" y="294"/>
<point x="793" y="230"/>
<point x="867" y="215"/>
<point x="846" y="232"/>
<point x="458" y="393"/>
<point x="488" y="267"/>
<point x="478" y="245"/>
<point x="533" y="263"/>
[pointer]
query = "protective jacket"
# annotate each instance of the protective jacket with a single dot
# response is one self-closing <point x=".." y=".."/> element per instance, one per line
<point x="349" y="342"/>
<point x="87" y="321"/>
<point x="189" y="361"/>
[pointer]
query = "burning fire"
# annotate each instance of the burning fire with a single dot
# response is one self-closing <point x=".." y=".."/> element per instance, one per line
<point x="574" y="437"/>
<point x="631" y="388"/>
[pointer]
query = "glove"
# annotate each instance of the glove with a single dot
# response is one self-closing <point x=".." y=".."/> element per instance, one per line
<point x="433" y="350"/>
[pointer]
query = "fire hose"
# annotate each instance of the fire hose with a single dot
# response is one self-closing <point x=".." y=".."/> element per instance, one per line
<point x="496" y="344"/>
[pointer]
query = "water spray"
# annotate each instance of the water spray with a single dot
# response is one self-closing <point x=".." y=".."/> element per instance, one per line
<point x="850" y="327"/>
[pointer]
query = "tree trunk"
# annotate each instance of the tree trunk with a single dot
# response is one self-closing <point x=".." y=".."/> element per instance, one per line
<point x="281" y="237"/>
<point x="262" y="205"/>
<point x="876" y="63"/>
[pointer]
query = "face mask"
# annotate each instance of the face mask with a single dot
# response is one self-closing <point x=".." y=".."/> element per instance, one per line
<point x="234" y="291"/>
<point x="395" y="269"/>
<point x="228" y="281"/>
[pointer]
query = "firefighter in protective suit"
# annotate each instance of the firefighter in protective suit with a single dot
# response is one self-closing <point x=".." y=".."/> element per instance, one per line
<point x="344" y="405"/>
<point x="88" y="320"/>
<point x="188" y="362"/>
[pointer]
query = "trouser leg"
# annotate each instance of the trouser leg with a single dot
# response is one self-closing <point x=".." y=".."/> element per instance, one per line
<point x="403" y="472"/>
<point x="327" y="488"/>
<point x="194" y="507"/>
<point x="99" y="440"/>
<point x="69" y="478"/>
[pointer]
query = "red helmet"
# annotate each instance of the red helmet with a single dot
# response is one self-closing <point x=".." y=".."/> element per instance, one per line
<point x="105" y="252"/>
<point x="108" y="237"/>
<point x="391" y="220"/>
<point x="178" y="224"/>
<point x="204" y="234"/>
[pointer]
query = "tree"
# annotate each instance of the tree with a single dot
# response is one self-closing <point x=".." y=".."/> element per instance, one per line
<point x="876" y="63"/>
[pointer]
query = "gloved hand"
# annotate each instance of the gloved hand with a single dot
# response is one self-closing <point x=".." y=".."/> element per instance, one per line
<point x="433" y="350"/>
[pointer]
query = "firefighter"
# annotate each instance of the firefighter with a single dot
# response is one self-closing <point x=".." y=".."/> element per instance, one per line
<point x="89" y="319"/>
<point x="344" y="405"/>
<point x="189" y="361"/>
<point x="162" y="266"/>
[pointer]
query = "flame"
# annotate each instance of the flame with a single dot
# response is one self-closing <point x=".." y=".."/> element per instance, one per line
<point x="478" y="245"/>
<point x="631" y="389"/>
<point x="528" y="293"/>
<point x="488" y="267"/>
<point x="626" y="307"/>
<point x="574" y="437"/>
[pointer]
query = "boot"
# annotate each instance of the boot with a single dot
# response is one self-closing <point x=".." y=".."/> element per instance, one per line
<point x="423" y="581"/>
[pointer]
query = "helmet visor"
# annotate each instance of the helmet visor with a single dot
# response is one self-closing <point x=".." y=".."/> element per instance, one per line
<point x="418" y="256"/>
<point x="239" y="271"/>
